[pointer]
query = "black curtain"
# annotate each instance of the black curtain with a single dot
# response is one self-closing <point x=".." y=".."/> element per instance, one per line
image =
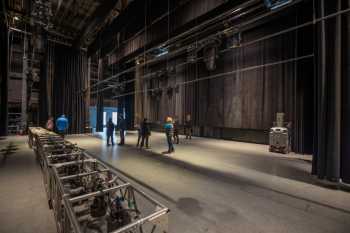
<point x="3" y="71"/>
<point x="331" y="152"/>
<point x="63" y="80"/>
<point x="345" y="149"/>
<point x="44" y="110"/>
<point x="99" y="113"/>
<point x="243" y="105"/>
<point x="129" y="105"/>
<point x="99" y="104"/>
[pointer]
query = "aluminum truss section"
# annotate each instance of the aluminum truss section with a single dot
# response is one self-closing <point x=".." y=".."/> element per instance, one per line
<point x="87" y="196"/>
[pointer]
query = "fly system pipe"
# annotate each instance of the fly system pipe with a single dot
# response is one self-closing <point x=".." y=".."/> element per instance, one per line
<point x="87" y="196"/>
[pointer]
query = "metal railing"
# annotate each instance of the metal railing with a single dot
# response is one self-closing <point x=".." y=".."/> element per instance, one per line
<point x="88" y="196"/>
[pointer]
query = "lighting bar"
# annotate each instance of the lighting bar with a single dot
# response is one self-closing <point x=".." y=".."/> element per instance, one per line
<point x="275" y="4"/>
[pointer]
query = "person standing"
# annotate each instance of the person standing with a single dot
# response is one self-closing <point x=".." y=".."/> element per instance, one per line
<point x="122" y="128"/>
<point x="176" y="131"/>
<point x="62" y="125"/>
<point x="50" y="124"/>
<point x="169" y="132"/>
<point x="139" y="135"/>
<point x="145" y="133"/>
<point x="188" y="127"/>
<point x="110" y="131"/>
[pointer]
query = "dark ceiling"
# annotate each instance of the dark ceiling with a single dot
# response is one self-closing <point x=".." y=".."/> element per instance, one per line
<point x="79" y="20"/>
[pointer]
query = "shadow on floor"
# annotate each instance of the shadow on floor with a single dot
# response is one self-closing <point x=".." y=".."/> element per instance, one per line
<point x="244" y="183"/>
<point x="278" y="166"/>
<point x="10" y="149"/>
<point x="272" y="164"/>
<point x="306" y="161"/>
<point x="189" y="206"/>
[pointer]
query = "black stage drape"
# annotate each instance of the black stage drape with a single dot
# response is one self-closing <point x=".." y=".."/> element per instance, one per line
<point x="331" y="152"/>
<point x="44" y="110"/>
<point x="243" y="105"/>
<point x="3" y="72"/>
<point x="99" y="104"/>
<point x="63" y="81"/>
<point x="345" y="150"/>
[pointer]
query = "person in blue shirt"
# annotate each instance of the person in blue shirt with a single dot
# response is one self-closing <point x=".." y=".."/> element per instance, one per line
<point x="62" y="125"/>
<point x="145" y="133"/>
<point x="169" y="132"/>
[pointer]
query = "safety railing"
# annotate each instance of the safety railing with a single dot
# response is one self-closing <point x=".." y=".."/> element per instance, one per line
<point x="88" y="196"/>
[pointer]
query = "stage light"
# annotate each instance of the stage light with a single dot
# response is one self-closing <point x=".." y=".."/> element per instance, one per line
<point x="162" y="51"/>
<point x="235" y="40"/>
<point x="274" y="4"/>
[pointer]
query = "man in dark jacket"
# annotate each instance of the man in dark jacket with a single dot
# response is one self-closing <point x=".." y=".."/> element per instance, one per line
<point x="188" y="127"/>
<point x="122" y="128"/>
<point x="110" y="131"/>
<point x="145" y="133"/>
<point x="176" y="131"/>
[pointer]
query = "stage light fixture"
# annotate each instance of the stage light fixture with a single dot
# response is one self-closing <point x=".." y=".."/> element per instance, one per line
<point x="274" y="4"/>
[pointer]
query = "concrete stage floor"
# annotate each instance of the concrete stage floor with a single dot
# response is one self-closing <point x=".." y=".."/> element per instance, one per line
<point x="222" y="186"/>
<point x="210" y="186"/>
<point x="23" y="202"/>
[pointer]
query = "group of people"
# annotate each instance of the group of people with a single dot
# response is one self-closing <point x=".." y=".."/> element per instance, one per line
<point x="143" y="134"/>
<point x="121" y="126"/>
<point x="171" y="131"/>
<point x="144" y="130"/>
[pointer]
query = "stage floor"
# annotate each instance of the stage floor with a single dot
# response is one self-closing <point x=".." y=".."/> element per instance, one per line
<point x="23" y="203"/>
<point x="224" y="186"/>
<point x="210" y="186"/>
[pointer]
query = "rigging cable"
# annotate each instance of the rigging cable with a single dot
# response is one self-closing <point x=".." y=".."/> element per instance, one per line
<point x="309" y="23"/>
<point x="230" y="73"/>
